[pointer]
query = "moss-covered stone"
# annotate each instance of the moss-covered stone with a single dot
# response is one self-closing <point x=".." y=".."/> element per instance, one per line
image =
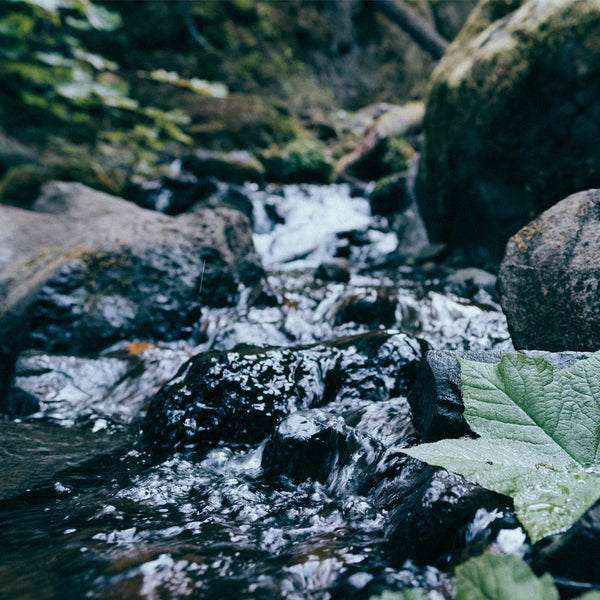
<point x="511" y="119"/>
<point x="390" y="195"/>
<point x="235" y="167"/>
<point x="21" y="185"/>
<point x="301" y="161"/>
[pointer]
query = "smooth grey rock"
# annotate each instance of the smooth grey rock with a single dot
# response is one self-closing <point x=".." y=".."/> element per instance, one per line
<point x="82" y="270"/>
<point x="549" y="278"/>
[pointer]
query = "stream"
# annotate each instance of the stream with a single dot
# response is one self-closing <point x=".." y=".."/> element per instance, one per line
<point x="86" y="511"/>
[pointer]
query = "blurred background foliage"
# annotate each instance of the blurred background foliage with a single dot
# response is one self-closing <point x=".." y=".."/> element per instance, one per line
<point x="97" y="91"/>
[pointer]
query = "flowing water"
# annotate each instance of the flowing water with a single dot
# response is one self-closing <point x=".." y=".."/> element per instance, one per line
<point x="86" y="512"/>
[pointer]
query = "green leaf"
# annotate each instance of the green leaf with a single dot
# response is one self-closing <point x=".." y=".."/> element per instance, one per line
<point x="540" y="437"/>
<point x="501" y="577"/>
<point x="496" y="577"/>
<point x="404" y="595"/>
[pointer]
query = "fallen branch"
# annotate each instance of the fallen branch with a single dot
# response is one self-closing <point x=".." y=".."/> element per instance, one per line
<point x="418" y="28"/>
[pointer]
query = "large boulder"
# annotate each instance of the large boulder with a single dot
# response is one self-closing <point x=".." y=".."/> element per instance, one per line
<point x="548" y="280"/>
<point x="83" y="269"/>
<point x="512" y="120"/>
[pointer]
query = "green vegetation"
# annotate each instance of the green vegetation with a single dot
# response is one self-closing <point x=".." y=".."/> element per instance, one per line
<point x="303" y="160"/>
<point x="123" y="87"/>
<point x="539" y="437"/>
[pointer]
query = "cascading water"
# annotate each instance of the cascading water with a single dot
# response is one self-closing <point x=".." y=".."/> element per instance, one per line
<point x="87" y="512"/>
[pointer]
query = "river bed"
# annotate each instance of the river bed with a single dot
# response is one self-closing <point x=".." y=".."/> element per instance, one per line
<point x="86" y="512"/>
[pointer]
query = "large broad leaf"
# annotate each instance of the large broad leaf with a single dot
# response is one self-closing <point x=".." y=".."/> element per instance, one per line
<point x="502" y="577"/>
<point x="540" y="437"/>
<point x="495" y="577"/>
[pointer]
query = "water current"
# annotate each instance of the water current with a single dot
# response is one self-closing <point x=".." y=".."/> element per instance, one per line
<point x="86" y="512"/>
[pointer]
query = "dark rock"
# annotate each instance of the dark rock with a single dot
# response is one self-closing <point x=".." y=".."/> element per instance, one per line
<point x="323" y="130"/>
<point x="314" y="444"/>
<point x="236" y="197"/>
<point x="110" y="389"/>
<point x="234" y="167"/>
<point x="449" y="17"/>
<point x="431" y="252"/>
<point x="334" y="270"/>
<point x="390" y="195"/>
<point x="429" y="510"/>
<point x="511" y="123"/>
<point x="83" y="269"/>
<point x="374" y="366"/>
<point x="436" y="400"/>
<point x="548" y="279"/>
<point x="170" y="195"/>
<point x="383" y="149"/>
<point x="469" y="281"/>
<point x="374" y="309"/>
<point x="388" y="421"/>
<point x="301" y="161"/>
<point x="355" y="237"/>
<point x="240" y="396"/>
<point x="18" y="403"/>
<point x="21" y="184"/>
<point x="572" y="557"/>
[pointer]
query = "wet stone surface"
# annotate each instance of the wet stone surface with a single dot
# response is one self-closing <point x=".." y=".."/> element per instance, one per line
<point x="239" y="396"/>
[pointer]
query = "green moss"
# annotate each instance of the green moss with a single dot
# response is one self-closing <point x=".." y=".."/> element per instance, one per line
<point x="301" y="161"/>
<point x="474" y="92"/>
<point x="21" y="185"/>
<point x="397" y="153"/>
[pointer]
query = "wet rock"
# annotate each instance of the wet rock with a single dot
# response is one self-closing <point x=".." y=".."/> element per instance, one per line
<point x="383" y="149"/>
<point x="549" y="277"/>
<point x="18" y="403"/>
<point x="436" y="400"/>
<point x="235" y="197"/>
<point x="83" y="269"/>
<point x="336" y="269"/>
<point x="430" y="510"/>
<point x="373" y="366"/>
<point x="493" y="159"/>
<point x="390" y="195"/>
<point x="240" y="396"/>
<point x="100" y="391"/>
<point x="572" y="557"/>
<point x="170" y="195"/>
<point x="468" y="282"/>
<point x="301" y="161"/>
<point x="234" y="167"/>
<point x="375" y="308"/>
<point x="388" y="421"/>
<point x="314" y="444"/>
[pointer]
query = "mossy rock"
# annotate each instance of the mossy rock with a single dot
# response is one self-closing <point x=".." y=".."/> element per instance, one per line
<point x="390" y="195"/>
<point x="301" y="161"/>
<point x="239" y="121"/>
<point x="234" y="167"/>
<point x="512" y="119"/>
<point x="21" y="185"/>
